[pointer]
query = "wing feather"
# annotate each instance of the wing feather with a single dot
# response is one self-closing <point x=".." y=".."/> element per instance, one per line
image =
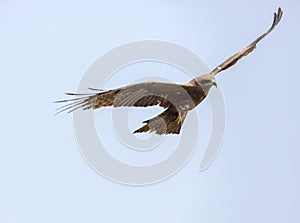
<point x="136" y="95"/>
<point x="244" y="52"/>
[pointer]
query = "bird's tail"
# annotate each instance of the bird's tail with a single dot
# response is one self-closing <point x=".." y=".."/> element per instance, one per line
<point x="87" y="101"/>
<point x="168" y="122"/>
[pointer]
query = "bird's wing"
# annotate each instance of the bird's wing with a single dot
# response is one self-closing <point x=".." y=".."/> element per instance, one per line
<point x="145" y="94"/>
<point x="244" y="52"/>
<point x="137" y="95"/>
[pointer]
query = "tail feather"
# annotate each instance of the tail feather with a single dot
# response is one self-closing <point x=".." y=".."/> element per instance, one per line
<point x="168" y="122"/>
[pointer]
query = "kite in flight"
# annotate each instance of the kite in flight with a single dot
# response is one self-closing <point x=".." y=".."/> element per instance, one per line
<point x="176" y="99"/>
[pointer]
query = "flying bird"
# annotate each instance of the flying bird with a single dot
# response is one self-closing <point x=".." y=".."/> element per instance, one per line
<point x="176" y="99"/>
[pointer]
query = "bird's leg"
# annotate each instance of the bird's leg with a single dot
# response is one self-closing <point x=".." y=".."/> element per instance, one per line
<point x="181" y="116"/>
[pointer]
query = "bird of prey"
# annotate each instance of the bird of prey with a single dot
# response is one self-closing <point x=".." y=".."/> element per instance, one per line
<point x="176" y="99"/>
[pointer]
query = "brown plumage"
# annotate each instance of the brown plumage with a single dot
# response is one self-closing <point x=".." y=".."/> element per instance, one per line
<point x="178" y="99"/>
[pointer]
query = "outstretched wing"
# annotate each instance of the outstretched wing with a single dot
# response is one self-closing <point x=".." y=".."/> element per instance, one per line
<point x="244" y="52"/>
<point x="137" y="95"/>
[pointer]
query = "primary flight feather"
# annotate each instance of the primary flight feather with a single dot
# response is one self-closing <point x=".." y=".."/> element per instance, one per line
<point x="177" y="99"/>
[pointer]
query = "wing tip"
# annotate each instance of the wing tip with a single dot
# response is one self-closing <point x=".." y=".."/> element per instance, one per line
<point x="277" y="17"/>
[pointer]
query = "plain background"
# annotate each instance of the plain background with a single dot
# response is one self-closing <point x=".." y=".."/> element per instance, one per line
<point x="45" y="48"/>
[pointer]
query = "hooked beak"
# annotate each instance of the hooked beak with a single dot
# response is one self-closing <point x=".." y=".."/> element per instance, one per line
<point x="214" y="83"/>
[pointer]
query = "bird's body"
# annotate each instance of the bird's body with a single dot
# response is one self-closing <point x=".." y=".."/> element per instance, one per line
<point x="177" y="99"/>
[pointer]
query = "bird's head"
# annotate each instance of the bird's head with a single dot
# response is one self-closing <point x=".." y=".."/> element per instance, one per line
<point x="206" y="81"/>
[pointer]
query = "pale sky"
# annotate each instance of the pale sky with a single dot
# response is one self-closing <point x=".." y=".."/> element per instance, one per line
<point x="47" y="47"/>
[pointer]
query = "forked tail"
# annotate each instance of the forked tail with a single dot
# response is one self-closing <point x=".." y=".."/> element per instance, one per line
<point x="168" y="122"/>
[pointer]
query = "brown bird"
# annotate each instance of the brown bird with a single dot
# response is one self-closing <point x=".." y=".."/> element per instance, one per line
<point x="177" y="99"/>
